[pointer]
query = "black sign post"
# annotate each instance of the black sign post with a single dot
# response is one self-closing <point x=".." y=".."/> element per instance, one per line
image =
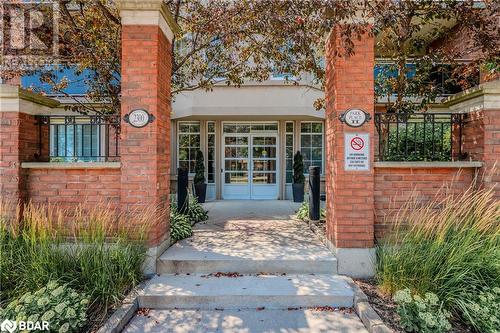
<point x="314" y="198"/>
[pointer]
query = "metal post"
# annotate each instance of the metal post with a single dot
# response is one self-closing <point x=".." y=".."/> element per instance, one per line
<point x="314" y="185"/>
<point x="182" y="190"/>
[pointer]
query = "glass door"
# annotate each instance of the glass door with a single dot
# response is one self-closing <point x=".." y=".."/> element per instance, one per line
<point x="236" y="178"/>
<point x="264" y="167"/>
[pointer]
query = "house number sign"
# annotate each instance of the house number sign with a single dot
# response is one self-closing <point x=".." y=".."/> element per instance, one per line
<point x="139" y="118"/>
<point x="355" y="117"/>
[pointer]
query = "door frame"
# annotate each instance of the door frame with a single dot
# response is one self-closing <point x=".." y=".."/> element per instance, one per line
<point x="275" y="134"/>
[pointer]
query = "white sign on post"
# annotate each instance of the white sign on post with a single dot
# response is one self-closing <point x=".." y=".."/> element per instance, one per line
<point x="357" y="151"/>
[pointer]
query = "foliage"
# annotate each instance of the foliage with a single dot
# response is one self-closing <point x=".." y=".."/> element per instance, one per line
<point x="303" y="212"/>
<point x="93" y="253"/>
<point x="449" y="246"/>
<point x="199" y="169"/>
<point x="422" y="315"/>
<point x="61" y="306"/>
<point x="481" y="309"/>
<point x="180" y="226"/>
<point x="418" y="143"/>
<point x="196" y="212"/>
<point x="298" y="168"/>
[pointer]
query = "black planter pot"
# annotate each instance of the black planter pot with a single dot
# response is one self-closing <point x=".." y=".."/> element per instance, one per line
<point x="298" y="192"/>
<point x="201" y="192"/>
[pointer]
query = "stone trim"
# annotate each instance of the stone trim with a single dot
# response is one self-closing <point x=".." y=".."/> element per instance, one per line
<point x="429" y="165"/>
<point x="14" y="98"/>
<point x="71" y="165"/>
<point x="149" y="12"/>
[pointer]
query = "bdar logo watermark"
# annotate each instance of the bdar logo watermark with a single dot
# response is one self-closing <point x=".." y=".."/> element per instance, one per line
<point x="29" y="33"/>
<point x="11" y="326"/>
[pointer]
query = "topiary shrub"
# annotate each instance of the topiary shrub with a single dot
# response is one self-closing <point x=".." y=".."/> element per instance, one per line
<point x="199" y="169"/>
<point x="59" y="305"/>
<point x="298" y="168"/>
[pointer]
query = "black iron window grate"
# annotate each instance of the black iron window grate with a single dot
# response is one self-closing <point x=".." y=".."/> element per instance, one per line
<point x="79" y="138"/>
<point x="419" y="136"/>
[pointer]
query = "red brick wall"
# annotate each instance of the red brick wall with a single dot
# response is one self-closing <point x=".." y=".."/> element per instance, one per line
<point x="144" y="152"/>
<point x="395" y="186"/>
<point x="491" y="154"/>
<point x="349" y="84"/>
<point x="18" y="143"/>
<point x="69" y="187"/>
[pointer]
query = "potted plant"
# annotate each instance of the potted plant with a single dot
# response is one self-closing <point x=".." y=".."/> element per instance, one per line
<point x="200" y="187"/>
<point x="298" y="178"/>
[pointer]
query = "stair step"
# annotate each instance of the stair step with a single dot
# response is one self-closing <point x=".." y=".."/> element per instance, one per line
<point x="208" y="292"/>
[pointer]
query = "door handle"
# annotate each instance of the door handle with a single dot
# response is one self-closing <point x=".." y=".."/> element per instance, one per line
<point x="221" y="170"/>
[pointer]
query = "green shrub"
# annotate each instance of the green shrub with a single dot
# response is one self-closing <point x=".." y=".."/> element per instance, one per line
<point x="180" y="227"/>
<point x="59" y="305"/>
<point x="450" y="246"/>
<point x="480" y="310"/>
<point x="199" y="169"/>
<point x="99" y="260"/>
<point x="423" y="315"/>
<point x="196" y="212"/>
<point x="303" y="212"/>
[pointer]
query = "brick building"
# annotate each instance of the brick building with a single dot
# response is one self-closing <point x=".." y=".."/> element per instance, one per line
<point x="248" y="136"/>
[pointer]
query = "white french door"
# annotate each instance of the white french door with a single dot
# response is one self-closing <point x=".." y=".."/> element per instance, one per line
<point x="250" y="166"/>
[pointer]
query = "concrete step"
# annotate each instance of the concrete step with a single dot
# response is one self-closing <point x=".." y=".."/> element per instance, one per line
<point x="207" y="292"/>
<point x="231" y="321"/>
<point x="283" y="250"/>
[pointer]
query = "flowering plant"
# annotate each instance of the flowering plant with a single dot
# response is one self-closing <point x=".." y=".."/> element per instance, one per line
<point x="62" y="307"/>
<point x="423" y="315"/>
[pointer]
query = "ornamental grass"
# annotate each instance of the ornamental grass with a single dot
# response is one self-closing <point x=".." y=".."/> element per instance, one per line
<point x="449" y="246"/>
<point x="93" y="249"/>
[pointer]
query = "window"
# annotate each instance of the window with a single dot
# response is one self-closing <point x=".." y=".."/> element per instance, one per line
<point x="211" y="152"/>
<point x="75" y="143"/>
<point x="188" y="143"/>
<point x="311" y="144"/>
<point x="289" y="140"/>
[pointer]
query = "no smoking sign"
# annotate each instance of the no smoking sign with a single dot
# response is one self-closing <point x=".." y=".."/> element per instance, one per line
<point x="357" y="151"/>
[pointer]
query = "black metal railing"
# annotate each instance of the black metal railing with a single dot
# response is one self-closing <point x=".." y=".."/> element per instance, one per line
<point x="419" y="136"/>
<point x="79" y="138"/>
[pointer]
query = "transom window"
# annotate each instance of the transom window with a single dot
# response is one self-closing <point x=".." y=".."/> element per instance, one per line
<point x="188" y="139"/>
<point x="250" y="128"/>
<point x="311" y="144"/>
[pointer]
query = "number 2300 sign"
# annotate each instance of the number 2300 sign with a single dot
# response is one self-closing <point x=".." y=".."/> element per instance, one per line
<point x="139" y="118"/>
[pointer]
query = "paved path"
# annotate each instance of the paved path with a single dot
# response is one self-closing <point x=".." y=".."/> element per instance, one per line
<point x="249" y="268"/>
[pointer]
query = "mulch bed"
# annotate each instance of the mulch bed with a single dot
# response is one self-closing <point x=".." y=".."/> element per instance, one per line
<point x="386" y="308"/>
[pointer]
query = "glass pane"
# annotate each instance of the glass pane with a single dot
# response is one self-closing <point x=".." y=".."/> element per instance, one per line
<point x="305" y="127"/>
<point x="184" y="164"/>
<point x="211" y="178"/>
<point x="271" y="140"/>
<point x="317" y="141"/>
<point x="264" y="178"/>
<point x="264" y="152"/>
<point x="289" y="164"/>
<point x="194" y="140"/>
<point x="289" y="176"/>
<point x="271" y="127"/>
<point x="236" y="177"/>
<point x="317" y="153"/>
<point x="257" y="127"/>
<point x="211" y="140"/>
<point x="289" y="127"/>
<point x="183" y="140"/>
<point x="183" y="128"/>
<point x="305" y="141"/>
<point x="259" y="140"/>
<point x="211" y="154"/>
<point x="236" y="165"/>
<point x="317" y="127"/>
<point x="264" y="165"/>
<point x="192" y="154"/>
<point x="236" y="140"/>
<point x="289" y="140"/>
<point x="306" y="153"/>
<point x="194" y="128"/>
<point x="191" y="166"/>
<point x="211" y="127"/>
<point x="183" y="153"/>
<point x="229" y="129"/>
<point x="289" y="152"/>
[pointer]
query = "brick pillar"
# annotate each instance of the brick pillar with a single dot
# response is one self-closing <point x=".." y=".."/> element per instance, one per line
<point x="350" y="194"/>
<point x="19" y="142"/>
<point x="145" y="80"/>
<point x="491" y="150"/>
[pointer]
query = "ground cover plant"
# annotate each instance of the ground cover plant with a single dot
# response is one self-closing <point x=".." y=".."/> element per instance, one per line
<point x="181" y="224"/>
<point x="94" y="254"/>
<point x="449" y="247"/>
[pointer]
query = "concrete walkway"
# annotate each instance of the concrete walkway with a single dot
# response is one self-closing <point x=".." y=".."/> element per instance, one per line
<point x="249" y="268"/>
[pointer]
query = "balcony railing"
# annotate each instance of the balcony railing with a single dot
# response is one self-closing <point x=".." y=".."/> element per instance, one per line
<point x="419" y="136"/>
<point x="79" y="138"/>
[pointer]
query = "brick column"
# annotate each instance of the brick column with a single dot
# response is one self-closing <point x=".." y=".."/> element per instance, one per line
<point x="19" y="139"/>
<point x="145" y="80"/>
<point x="350" y="194"/>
